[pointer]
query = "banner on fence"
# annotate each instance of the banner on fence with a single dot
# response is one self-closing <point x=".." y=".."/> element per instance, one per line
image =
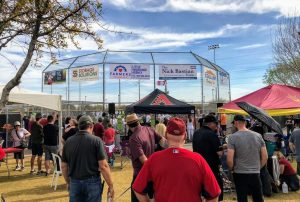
<point x="182" y="72"/>
<point x="55" y="77"/>
<point x="129" y="71"/>
<point x="224" y="78"/>
<point x="210" y="77"/>
<point x="86" y="73"/>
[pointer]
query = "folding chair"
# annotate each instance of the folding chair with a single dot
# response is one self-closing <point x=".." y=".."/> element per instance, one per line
<point x="57" y="169"/>
<point x="124" y="152"/>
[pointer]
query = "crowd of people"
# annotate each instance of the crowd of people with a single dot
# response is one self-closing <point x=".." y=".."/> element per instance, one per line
<point x="163" y="169"/>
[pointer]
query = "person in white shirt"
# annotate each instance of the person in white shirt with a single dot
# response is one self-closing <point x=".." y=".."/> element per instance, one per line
<point x="18" y="134"/>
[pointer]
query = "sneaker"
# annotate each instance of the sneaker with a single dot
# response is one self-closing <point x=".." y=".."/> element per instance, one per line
<point x="18" y="168"/>
<point x="32" y="172"/>
<point x="22" y="167"/>
<point x="40" y="172"/>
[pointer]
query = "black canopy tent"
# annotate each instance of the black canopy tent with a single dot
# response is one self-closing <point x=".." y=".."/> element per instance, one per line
<point x="159" y="102"/>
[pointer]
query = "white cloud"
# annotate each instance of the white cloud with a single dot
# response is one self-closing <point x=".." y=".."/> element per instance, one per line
<point x="212" y="6"/>
<point x="251" y="46"/>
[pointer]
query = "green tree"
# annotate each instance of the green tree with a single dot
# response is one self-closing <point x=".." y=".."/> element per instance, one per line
<point x="40" y="26"/>
<point x="286" y="49"/>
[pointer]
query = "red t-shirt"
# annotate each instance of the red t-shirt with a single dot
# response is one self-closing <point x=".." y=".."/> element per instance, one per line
<point x="109" y="136"/>
<point x="43" y="121"/>
<point x="98" y="130"/>
<point x="288" y="169"/>
<point x="177" y="175"/>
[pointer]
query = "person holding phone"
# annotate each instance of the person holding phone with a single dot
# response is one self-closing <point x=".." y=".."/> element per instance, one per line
<point x="18" y="134"/>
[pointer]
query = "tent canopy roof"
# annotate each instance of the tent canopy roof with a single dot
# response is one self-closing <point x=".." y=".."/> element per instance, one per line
<point x="44" y="100"/>
<point x="159" y="102"/>
<point x="276" y="99"/>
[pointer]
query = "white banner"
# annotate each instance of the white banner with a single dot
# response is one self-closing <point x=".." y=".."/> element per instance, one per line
<point x="129" y="71"/>
<point x="224" y="79"/>
<point x="210" y="77"/>
<point x="86" y="73"/>
<point x="182" y="72"/>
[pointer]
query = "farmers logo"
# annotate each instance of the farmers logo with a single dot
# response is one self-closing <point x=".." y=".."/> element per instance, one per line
<point x="120" y="69"/>
<point x="120" y="72"/>
<point x="161" y="100"/>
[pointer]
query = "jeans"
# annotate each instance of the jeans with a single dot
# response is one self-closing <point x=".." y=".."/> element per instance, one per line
<point x="88" y="190"/>
<point x="248" y="183"/>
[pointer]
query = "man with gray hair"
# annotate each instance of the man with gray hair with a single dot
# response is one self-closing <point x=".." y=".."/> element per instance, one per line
<point x="82" y="159"/>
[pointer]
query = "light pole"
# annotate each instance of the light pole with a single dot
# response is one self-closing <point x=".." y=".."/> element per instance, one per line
<point x="212" y="94"/>
<point x="214" y="47"/>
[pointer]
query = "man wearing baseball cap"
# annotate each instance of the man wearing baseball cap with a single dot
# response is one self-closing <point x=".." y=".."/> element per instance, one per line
<point x="142" y="144"/>
<point x="207" y="143"/>
<point x="83" y="159"/>
<point x="177" y="173"/>
<point x="246" y="155"/>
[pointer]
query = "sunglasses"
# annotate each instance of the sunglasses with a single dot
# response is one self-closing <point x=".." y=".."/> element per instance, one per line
<point x="17" y="125"/>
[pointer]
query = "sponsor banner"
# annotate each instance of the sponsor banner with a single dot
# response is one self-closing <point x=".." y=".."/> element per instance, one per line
<point x="87" y="73"/>
<point x="210" y="77"/>
<point x="161" y="83"/>
<point x="182" y="72"/>
<point x="224" y="79"/>
<point x="129" y="71"/>
<point x="55" y="77"/>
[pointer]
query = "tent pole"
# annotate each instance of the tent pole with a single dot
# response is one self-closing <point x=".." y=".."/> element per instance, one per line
<point x="6" y="139"/>
<point x="60" y="126"/>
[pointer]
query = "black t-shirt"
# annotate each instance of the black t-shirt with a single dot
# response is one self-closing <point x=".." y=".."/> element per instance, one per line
<point x="70" y="133"/>
<point x="82" y="153"/>
<point x="50" y="135"/>
<point x="207" y="143"/>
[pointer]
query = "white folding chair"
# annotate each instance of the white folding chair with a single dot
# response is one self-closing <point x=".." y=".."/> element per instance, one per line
<point x="57" y="169"/>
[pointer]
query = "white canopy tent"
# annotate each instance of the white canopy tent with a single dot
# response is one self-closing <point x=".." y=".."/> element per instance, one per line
<point x="29" y="97"/>
<point x="39" y="99"/>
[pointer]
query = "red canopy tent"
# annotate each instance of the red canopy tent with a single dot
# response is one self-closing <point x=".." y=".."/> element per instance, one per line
<point x="275" y="99"/>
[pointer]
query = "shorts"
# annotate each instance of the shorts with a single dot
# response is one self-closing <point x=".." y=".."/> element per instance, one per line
<point x="37" y="149"/>
<point x="49" y="150"/>
<point x="19" y="155"/>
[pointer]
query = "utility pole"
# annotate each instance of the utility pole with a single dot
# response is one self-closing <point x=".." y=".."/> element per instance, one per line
<point x="214" y="47"/>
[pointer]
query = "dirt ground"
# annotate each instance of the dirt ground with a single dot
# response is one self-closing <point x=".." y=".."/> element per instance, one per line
<point x="21" y="186"/>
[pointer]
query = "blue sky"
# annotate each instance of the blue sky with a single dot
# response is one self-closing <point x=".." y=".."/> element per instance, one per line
<point x="244" y="30"/>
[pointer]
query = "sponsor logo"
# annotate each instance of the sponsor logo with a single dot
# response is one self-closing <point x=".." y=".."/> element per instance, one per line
<point x="161" y="100"/>
<point x="120" y="71"/>
<point x="210" y="75"/>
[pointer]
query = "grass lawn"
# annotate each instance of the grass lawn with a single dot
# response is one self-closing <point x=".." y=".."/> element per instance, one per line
<point x="21" y="186"/>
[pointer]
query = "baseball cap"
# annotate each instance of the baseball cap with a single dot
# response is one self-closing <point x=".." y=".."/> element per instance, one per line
<point x="85" y="120"/>
<point x="209" y="119"/>
<point x="239" y="118"/>
<point x="17" y="123"/>
<point x="132" y="118"/>
<point x="176" y="126"/>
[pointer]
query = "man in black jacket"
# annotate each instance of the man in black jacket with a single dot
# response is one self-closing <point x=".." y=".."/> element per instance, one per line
<point x="207" y="143"/>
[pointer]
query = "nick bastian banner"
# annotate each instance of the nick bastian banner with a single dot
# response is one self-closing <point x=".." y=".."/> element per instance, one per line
<point x="224" y="78"/>
<point x="129" y="71"/>
<point x="210" y="77"/>
<point x="182" y="72"/>
<point x="87" y="73"/>
<point x="55" y="77"/>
